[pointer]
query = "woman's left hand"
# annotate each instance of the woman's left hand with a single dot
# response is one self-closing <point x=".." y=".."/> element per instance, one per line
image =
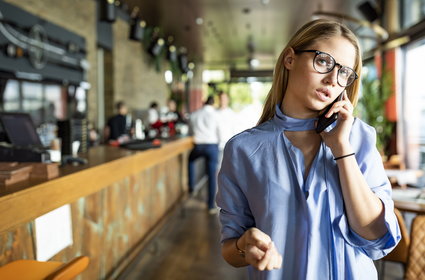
<point x="337" y="139"/>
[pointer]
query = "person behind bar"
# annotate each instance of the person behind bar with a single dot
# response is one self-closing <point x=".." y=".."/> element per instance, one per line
<point x="118" y="126"/>
<point x="296" y="204"/>
<point x="204" y="125"/>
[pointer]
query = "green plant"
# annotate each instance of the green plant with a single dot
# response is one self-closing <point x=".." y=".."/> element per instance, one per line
<point x="375" y="93"/>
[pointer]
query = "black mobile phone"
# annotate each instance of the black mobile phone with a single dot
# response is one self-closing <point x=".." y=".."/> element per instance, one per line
<point x="323" y="121"/>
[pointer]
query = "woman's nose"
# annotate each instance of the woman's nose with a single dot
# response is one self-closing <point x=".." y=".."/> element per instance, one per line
<point x="332" y="77"/>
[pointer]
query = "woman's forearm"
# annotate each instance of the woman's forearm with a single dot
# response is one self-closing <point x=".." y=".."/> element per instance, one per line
<point x="365" y="211"/>
<point x="231" y="254"/>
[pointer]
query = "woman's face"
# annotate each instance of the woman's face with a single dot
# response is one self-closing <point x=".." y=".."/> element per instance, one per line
<point x="309" y="91"/>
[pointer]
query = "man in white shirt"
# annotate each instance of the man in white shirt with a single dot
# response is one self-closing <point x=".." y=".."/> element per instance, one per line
<point x="204" y="126"/>
<point x="153" y="114"/>
<point x="227" y="122"/>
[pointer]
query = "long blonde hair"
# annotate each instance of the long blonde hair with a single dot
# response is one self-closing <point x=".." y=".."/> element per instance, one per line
<point x="307" y="35"/>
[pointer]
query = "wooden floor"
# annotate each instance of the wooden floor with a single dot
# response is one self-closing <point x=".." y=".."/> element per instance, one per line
<point x="188" y="247"/>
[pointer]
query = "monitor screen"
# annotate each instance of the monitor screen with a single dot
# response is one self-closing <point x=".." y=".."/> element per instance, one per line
<point x="20" y="129"/>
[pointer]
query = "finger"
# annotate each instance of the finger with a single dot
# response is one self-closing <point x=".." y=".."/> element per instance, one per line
<point x="274" y="262"/>
<point x="347" y="100"/>
<point x="262" y="244"/>
<point x="265" y="260"/>
<point x="253" y="254"/>
<point x="259" y="239"/>
<point x="276" y="259"/>
<point x="334" y="109"/>
<point x="349" y="107"/>
<point x="345" y="95"/>
<point x="344" y="113"/>
<point x="278" y="263"/>
<point x="273" y="258"/>
<point x="339" y="106"/>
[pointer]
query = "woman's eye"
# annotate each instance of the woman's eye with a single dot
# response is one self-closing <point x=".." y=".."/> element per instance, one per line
<point x="322" y="61"/>
<point x="344" y="72"/>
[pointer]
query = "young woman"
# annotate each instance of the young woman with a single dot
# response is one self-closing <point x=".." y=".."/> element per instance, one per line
<point x="297" y="204"/>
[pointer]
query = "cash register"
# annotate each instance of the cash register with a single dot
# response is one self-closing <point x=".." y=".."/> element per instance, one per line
<point x="21" y="142"/>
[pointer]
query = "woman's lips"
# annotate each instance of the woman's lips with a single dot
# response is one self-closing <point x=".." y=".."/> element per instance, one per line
<point x="323" y="94"/>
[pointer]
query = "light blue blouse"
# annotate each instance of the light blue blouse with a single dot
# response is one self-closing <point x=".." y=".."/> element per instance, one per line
<point x="261" y="184"/>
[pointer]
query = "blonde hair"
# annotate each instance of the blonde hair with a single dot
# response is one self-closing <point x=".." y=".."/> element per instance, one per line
<point x="306" y="36"/>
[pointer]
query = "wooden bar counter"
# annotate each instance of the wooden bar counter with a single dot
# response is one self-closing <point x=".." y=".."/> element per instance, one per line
<point x="116" y="200"/>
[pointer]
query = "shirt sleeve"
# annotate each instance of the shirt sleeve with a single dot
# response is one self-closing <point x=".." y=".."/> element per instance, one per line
<point x="235" y="214"/>
<point x="370" y="163"/>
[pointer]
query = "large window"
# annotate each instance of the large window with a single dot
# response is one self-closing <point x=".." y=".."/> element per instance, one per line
<point x="413" y="117"/>
<point x="412" y="12"/>
<point x="46" y="103"/>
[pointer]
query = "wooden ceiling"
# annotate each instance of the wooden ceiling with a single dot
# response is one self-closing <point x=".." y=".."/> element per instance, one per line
<point x="229" y="32"/>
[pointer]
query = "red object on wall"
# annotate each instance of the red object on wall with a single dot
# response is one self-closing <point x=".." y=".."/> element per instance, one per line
<point x="391" y="104"/>
<point x="195" y="99"/>
<point x="390" y="65"/>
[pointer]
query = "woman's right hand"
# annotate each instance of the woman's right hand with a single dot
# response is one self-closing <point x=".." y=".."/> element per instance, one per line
<point x="260" y="251"/>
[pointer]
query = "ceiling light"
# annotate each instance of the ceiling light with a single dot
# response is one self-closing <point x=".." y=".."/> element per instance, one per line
<point x="137" y="29"/>
<point x="172" y="53"/>
<point x="168" y="76"/>
<point x="254" y="63"/>
<point x="156" y="47"/>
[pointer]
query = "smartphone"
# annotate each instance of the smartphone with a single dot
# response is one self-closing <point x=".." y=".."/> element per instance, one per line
<point x="323" y="121"/>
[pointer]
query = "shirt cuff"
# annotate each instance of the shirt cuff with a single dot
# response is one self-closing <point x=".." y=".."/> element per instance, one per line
<point x="376" y="248"/>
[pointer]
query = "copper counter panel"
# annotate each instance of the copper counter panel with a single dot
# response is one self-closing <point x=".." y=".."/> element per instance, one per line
<point x="115" y="201"/>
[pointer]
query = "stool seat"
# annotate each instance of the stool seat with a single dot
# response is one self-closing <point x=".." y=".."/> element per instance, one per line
<point x="50" y="270"/>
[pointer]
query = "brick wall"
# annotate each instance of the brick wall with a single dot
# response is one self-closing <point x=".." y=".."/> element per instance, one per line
<point x="135" y="78"/>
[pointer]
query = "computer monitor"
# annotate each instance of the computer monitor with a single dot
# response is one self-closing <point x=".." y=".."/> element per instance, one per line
<point x="20" y="129"/>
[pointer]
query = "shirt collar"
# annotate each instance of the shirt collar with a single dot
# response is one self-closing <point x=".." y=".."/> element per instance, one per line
<point x="209" y="107"/>
<point x="292" y="124"/>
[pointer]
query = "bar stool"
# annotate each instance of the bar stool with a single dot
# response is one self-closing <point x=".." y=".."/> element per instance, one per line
<point x="50" y="270"/>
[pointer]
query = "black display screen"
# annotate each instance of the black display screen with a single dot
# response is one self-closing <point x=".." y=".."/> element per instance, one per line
<point x="20" y="129"/>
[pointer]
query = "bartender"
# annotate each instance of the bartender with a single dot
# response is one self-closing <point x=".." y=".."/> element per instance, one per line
<point x="118" y="126"/>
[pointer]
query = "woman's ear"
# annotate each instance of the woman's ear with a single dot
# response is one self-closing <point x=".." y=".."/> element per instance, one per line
<point x="289" y="57"/>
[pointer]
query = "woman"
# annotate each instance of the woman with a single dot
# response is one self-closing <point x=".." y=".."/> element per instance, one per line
<point x="296" y="204"/>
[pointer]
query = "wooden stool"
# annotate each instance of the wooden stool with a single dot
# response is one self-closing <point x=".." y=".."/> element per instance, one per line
<point x="50" y="270"/>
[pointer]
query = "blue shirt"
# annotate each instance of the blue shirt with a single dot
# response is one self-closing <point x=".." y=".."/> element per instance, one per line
<point x="261" y="184"/>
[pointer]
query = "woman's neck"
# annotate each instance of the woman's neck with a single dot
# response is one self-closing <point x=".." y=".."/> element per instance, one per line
<point x="293" y="110"/>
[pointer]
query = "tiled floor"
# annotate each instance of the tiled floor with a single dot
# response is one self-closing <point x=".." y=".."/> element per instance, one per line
<point x="188" y="248"/>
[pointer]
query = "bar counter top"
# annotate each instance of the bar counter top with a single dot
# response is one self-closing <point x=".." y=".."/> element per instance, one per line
<point x="28" y="200"/>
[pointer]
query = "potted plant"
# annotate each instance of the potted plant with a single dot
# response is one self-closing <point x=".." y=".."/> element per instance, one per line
<point x="375" y="93"/>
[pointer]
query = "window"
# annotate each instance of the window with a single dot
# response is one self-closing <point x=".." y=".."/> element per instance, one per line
<point x="11" y="99"/>
<point x="412" y="12"/>
<point x="413" y="102"/>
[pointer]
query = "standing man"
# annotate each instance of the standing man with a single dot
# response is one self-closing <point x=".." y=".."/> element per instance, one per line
<point x="204" y="125"/>
<point x="227" y="122"/>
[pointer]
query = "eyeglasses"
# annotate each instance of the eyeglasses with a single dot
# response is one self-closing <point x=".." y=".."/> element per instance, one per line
<point x="325" y="63"/>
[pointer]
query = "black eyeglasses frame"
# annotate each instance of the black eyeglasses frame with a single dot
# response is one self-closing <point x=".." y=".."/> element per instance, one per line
<point x="316" y="52"/>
